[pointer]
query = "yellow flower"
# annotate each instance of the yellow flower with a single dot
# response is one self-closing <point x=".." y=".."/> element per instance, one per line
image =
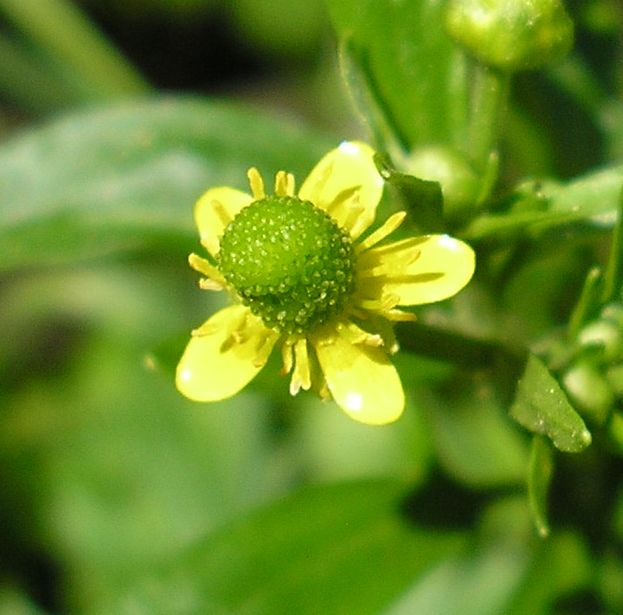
<point x="302" y="277"/>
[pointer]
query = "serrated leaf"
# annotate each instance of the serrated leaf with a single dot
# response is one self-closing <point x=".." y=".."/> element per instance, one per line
<point x="542" y="407"/>
<point x="126" y="177"/>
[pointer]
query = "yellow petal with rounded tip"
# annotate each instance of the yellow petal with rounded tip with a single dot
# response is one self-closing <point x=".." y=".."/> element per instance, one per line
<point x="226" y="357"/>
<point x="214" y="211"/>
<point x="344" y="179"/>
<point x="442" y="267"/>
<point x="361" y="379"/>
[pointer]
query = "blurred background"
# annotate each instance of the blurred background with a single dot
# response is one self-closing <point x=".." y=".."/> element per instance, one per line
<point x="106" y="473"/>
<point x="277" y="54"/>
<point x="105" y="470"/>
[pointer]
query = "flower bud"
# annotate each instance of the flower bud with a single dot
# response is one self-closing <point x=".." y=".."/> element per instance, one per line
<point x="589" y="391"/>
<point x="511" y="34"/>
<point x="459" y="182"/>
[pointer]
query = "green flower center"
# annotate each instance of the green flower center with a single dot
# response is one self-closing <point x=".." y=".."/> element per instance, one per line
<point x="289" y="262"/>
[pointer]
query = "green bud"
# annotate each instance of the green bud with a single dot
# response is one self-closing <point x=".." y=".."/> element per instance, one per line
<point x="605" y="337"/>
<point x="459" y="183"/>
<point x="289" y="262"/>
<point x="589" y="391"/>
<point x="511" y="34"/>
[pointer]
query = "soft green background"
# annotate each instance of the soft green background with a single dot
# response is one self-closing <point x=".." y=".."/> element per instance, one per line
<point x="120" y="496"/>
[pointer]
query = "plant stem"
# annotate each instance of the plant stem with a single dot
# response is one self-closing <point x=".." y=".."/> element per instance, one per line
<point x="455" y="347"/>
<point x="614" y="268"/>
<point x="66" y="36"/>
<point x="587" y="303"/>
<point x="489" y="96"/>
<point x="27" y="84"/>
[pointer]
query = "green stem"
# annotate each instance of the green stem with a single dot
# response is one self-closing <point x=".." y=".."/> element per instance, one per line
<point x="454" y="347"/>
<point x="27" y="84"/>
<point x="61" y="30"/>
<point x="614" y="268"/>
<point x="489" y="96"/>
<point x="586" y="304"/>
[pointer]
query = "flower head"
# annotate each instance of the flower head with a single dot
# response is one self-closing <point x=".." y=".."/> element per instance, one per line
<point x="303" y="277"/>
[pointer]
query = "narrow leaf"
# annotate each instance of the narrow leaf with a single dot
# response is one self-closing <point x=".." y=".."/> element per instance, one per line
<point x="540" y="473"/>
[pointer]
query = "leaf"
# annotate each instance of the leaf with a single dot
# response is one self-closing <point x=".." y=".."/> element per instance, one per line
<point x="542" y="407"/>
<point x="474" y="440"/>
<point x="126" y="177"/>
<point x="423" y="199"/>
<point x="404" y="43"/>
<point x="489" y="576"/>
<point x="340" y="548"/>
<point x="540" y="472"/>
<point x="561" y="565"/>
<point x="590" y="200"/>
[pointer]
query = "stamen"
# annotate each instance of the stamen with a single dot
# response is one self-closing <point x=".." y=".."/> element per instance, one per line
<point x="388" y="227"/>
<point x="323" y="178"/>
<point x="373" y="264"/>
<point x="382" y="305"/>
<point x="352" y="220"/>
<point x="356" y="335"/>
<point x="256" y="183"/>
<point x="301" y="377"/>
<point x="290" y="185"/>
<point x="208" y="284"/>
<point x="284" y="184"/>
<point x="287" y="357"/>
<point x="342" y="200"/>
<point x="264" y="348"/>
<point x="203" y="266"/>
<point x="221" y="211"/>
<point x="399" y="315"/>
<point x="403" y="244"/>
<point x="323" y="391"/>
<point x="205" y="329"/>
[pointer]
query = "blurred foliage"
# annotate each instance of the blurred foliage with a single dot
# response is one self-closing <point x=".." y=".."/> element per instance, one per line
<point x="120" y="496"/>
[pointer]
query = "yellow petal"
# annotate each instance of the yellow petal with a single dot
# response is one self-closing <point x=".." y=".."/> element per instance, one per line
<point x="224" y="356"/>
<point x="214" y="211"/>
<point x="361" y="379"/>
<point x="346" y="179"/>
<point x="441" y="268"/>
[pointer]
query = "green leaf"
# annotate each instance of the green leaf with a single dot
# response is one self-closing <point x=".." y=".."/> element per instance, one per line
<point x="421" y="198"/>
<point x="539" y="478"/>
<point x="404" y="43"/>
<point x="542" y="407"/>
<point x="474" y="440"/>
<point x="489" y="576"/>
<point x="590" y="200"/>
<point x="340" y="548"/>
<point x="560" y="566"/>
<point x="126" y="177"/>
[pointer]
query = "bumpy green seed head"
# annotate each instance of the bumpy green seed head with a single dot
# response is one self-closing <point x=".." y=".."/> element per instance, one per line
<point x="289" y="262"/>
